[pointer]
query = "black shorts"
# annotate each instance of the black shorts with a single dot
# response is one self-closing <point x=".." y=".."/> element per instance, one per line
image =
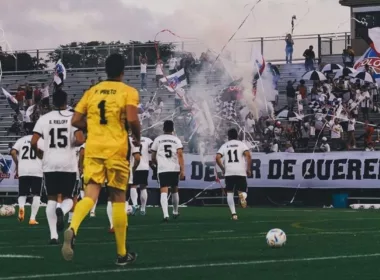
<point x="29" y="185"/>
<point x="140" y="177"/>
<point x="168" y="179"/>
<point x="60" y="183"/>
<point x="77" y="188"/>
<point x="238" y="183"/>
<point x="159" y="77"/>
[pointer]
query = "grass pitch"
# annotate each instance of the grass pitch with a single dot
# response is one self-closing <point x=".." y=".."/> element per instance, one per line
<point x="203" y="244"/>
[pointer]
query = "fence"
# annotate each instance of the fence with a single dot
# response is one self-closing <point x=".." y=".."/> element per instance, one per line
<point x="240" y="50"/>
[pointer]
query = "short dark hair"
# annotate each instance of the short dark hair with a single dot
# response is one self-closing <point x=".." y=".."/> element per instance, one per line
<point x="168" y="126"/>
<point x="232" y="134"/>
<point x="59" y="98"/>
<point x="114" y="65"/>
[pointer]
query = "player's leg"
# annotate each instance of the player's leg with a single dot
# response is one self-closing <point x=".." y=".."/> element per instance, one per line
<point x="175" y="194"/>
<point x="94" y="176"/>
<point x="242" y="187"/>
<point x="36" y="187"/>
<point x="52" y="196"/>
<point x="134" y="197"/>
<point x="143" y="182"/>
<point x="117" y="177"/>
<point x="164" y="181"/>
<point x="75" y="200"/>
<point x="109" y="215"/>
<point x="66" y="182"/>
<point x="93" y="210"/>
<point x="143" y="199"/>
<point x="230" y="186"/>
<point x="23" y="191"/>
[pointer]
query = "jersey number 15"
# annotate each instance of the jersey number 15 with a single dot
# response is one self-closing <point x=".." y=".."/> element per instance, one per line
<point x="58" y="138"/>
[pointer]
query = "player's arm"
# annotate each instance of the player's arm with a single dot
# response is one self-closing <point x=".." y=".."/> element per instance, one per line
<point x="137" y="157"/>
<point x="79" y="138"/>
<point x="219" y="162"/>
<point x="181" y="161"/>
<point x="248" y="160"/>
<point x="79" y="118"/>
<point x="14" y="154"/>
<point x="34" y="145"/>
<point x="132" y="103"/>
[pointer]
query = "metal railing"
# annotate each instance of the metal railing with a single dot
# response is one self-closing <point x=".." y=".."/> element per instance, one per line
<point x="240" y="50"/>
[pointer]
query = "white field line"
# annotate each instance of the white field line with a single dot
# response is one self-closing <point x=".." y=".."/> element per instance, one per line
<point x="221" y="231"/>
<point x="198" y="239"/>
<point x="184" y="224"/>
<point x="12" y="256"/>
<point x="189" y="266"/>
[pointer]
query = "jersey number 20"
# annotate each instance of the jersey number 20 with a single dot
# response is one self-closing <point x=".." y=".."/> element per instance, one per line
<point x="28" y="153"/>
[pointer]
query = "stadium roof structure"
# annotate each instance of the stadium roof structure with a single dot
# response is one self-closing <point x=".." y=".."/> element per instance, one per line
<point x="355" y="3"/>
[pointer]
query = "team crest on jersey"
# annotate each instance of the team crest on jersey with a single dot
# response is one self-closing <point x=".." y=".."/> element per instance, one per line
<point x="5" y="165"/>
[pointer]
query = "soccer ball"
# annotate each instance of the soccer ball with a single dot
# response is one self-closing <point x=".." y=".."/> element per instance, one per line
<point x="7" y="210"/>
<point x="276" y="238"/>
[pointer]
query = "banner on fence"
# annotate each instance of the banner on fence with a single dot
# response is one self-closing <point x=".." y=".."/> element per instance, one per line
<point x="291" y="170"/>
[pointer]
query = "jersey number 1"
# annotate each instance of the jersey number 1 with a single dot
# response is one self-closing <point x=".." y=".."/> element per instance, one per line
<point x="102" y="108"/>
<point x="230" y="156"/>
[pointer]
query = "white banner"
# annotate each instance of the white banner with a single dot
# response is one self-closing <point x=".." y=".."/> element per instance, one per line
<point x="290" y="170"/>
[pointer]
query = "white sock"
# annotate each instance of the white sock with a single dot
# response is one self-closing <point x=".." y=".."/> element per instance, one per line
<point x="66" y="205"/>
<point x="134" y="196"/>
<point x="21" y="201"/>
<point x="70" y="217"/>
<point x="231" y="202"/>
<point x="164" y="204"/>
<point x="143" y="199"/>
<point x="35" y="207"/>
<point x="94" y="208"/>
<point x="109" y="213"/>
<point x="52" y="218"/>
<point x="175" y="201"/>
<point x="58" y="205"/>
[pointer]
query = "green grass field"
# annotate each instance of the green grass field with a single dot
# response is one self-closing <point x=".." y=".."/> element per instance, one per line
<point x="204" y="244"/>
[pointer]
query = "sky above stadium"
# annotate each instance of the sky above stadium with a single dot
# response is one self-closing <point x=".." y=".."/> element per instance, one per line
<point x="47" y="24"/>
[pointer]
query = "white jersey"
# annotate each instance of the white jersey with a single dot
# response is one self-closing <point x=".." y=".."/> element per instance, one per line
<point x="145" y="145"/>
<point x="166" y="147"/>
<point x="134" y="150"/>
<point x="58" y="134"/>
<point x="233" y="158"/>
<point x="28" y="162"/>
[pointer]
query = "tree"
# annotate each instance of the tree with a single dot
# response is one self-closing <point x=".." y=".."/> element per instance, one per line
<point x="94" y="54"/>
<point x="24" y="61"/>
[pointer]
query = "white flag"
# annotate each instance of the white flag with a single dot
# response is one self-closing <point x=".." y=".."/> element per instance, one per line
<point x="175" y="81"/>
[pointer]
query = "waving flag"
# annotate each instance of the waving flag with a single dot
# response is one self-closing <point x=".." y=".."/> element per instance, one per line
<point x="11" y="100"/>
<point x="60" y="73"/>
<point x="175" y="81"/>
<point x="370" y="58"/>
<point x="371" y="36"/>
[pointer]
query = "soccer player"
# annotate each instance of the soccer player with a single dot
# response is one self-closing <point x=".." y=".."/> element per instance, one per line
<point x="59" y="162"/>
<point x="236" y="166"/>
<point x="29" y="171"/>
<point x="140" y="177"/>
<point x="107" y="105"/>
<point x="167" y="153"/>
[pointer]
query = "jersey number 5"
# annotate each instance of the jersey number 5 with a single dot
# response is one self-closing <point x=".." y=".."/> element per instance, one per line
<point x="230" y="153"/>
<point x="168" y="151"/>
<point x="58" y="137"/>
<point x="102" y="109"/>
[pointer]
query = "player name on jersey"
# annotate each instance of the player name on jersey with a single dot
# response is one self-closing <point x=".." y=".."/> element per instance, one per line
<point x="58" y="121"/>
